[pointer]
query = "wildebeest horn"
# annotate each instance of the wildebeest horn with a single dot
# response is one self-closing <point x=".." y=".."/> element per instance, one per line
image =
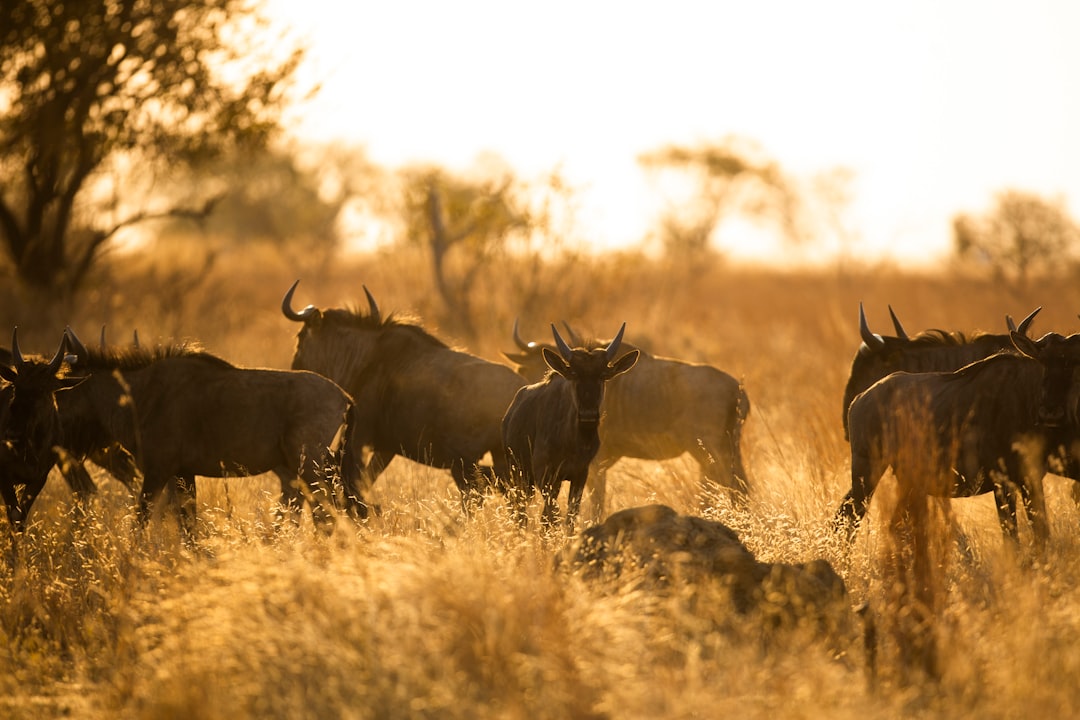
<point x="16" y="354"/>
<point x="1011" y="324"/>
<point x="286" y="307"/>
<point x="872" y="340"/>
<point x="135" y="337"/>
<point x="1022" y="328"/>
<point x="574" y="337"/>
<point x="522" y="345"/>
<point x="76" y="343"/>
<point x="896" y="324"/>
<point x="564" y="349"/>
<point x="54" y="364"/>
<point x="372" y="307"/>
<point x="613" y="346"/>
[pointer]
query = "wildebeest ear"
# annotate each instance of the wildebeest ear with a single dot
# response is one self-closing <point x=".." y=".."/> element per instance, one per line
<point x="621" y="365"/>
<point x="555" y="361"/>
<point x="69" y="382"/>
<point x="1024" y="345"/>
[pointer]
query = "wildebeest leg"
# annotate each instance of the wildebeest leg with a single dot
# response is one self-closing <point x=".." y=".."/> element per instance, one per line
<point x="717" y="462"/>
<point x="320" y="492"/>
<point x="78" y="480"/>
<point x="1031" y="453"/>
<point x="376" y="463"/>
<point x="1005" y="500"/>
<point x="11" y="502"/>
<point x="25" y="500"/>
<point x="518" y="485"/>
<point x="864" y="480"/>
<point x="291" y="502"/>
<point x="467" y="476"/>
<point x="152" y="488"/>
<point x="187" y="501"/>
<point x="351" y="480"/>
<point x="549" y="491"/>
<point x="549" y="515"/>
<point x="596" y="488"/>
<point x="119" y="463"/>
<point x="76" y="477"/>
<point x="573" y="502"/>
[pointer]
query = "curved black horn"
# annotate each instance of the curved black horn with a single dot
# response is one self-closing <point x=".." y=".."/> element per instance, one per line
<point x="54" y="364"/>
<point x="1022" y="328"/>
<point x="16" y="354"/>
<point x="76" y="343"/>
<point x="372" y="307"/>
<point x="872" y="340"/>
<point x="135" y="337"/>
<point x="286" y="307"/>
<point x="564" y="349"/>
<point x="522" y="345"/>
<point x="613" y="346"/>
<point x="900" y="333"/>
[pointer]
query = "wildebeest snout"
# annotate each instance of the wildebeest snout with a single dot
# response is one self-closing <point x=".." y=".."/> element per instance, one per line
<point x="1051" y="416"/>
<point x="589" y="415"/>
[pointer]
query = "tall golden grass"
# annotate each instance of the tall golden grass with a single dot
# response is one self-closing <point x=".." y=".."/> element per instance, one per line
<point x="421" y="612"/>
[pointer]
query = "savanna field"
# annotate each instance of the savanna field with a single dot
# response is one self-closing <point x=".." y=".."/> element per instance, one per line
<point x="422" y="612"/>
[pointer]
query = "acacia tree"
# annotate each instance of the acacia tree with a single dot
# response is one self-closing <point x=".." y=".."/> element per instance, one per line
<point x="1022" y="234"/>
<point x="85" y="82"/>
<point x="730" y="176"/>
<point x="465" y="223"/>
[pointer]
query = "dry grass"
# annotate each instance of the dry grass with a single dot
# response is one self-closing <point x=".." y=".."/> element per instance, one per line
<point x="422" y="613"/>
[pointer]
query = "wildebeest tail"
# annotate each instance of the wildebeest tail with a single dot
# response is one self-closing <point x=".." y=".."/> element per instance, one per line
<point x="742" y="411"/>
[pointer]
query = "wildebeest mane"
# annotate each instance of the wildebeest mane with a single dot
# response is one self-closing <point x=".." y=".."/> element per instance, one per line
<point x="932" y="338"/>
<point x="134" y="358"/>
<point x="352" y="317"/>
<point x="985" y="365"/>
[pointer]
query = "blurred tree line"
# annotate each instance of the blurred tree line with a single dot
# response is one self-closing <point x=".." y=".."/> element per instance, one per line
<point x="1020" y="237"/>
<point x="165" y="119"/>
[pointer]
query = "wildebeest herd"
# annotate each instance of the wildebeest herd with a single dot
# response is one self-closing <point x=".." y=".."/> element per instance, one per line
<point x="995" y="412"/>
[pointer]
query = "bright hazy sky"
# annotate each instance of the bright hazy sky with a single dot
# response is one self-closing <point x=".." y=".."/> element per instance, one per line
<point x="934" y="104"/>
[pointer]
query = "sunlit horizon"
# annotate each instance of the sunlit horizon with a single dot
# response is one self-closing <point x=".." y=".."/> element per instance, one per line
<point x="935" y="108"/>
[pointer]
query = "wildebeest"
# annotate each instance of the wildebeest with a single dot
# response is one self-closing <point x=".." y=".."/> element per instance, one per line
<point x="30" y="427"/>
<point x="414" y="395"/>
<point x="115" y="459"/>
<point x="987" y="427"/>
<point x="183" y="412"/>
<point x="928" y="351"/>
<point x="663" y="409"/>
<point x="551" y="429"/>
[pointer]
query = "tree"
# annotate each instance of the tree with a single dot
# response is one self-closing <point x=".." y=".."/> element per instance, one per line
<point x="291" y="198"/>
<point x="1022" y="235"/>
<point x="467" y="222"/>
<point x="86" y="83"/>
<point x="727" y="177"/>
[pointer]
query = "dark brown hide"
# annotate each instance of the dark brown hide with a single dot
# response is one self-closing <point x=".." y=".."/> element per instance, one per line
<point x="415" y="396"/>
<point x="663" y="409"/>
